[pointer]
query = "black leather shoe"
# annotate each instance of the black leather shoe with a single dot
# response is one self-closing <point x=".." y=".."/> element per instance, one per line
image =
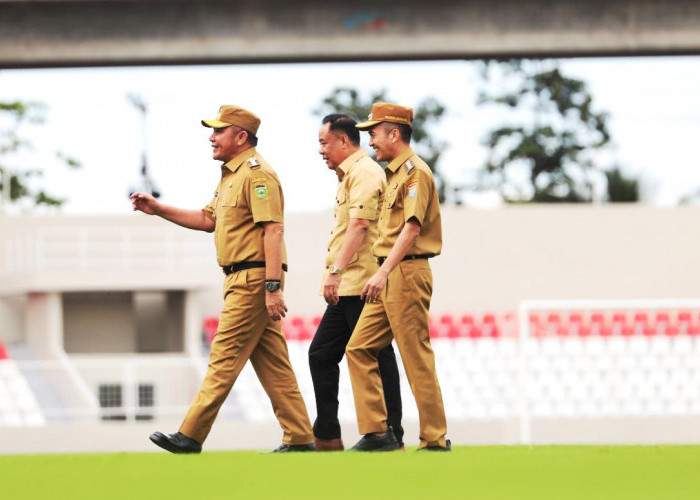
<point x="377" y="442"/>
<point x="447" y="447"/>
<point x="176" y="443"/>
<point x="284" y="448"/>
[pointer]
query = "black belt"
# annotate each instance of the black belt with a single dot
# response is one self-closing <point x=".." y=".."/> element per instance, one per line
<point x="381" y="260"/>
<point x="242" y="266"/>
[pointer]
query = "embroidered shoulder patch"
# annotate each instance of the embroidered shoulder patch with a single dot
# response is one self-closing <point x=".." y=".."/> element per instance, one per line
<point x="412" y="187"/>
<point x="258" y="180"/>
<point x="260" y="190"/>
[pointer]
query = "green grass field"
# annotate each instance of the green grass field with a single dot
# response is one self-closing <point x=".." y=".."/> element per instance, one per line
<point x="484" y="472"/>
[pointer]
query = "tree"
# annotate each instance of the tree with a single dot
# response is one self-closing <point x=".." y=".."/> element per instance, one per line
<point x="17" y="183"/>
<point x="428" y="113"/>
<point x="551" y="152"/>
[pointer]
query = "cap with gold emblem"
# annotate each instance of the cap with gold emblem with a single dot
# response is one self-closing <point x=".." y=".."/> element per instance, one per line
<point x="234" y="115"/>
<point x="386" y="112"/>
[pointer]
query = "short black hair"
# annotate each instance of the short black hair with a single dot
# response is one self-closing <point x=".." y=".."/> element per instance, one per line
<point x="343" y="124"/>
<point x="251" y="138"/>
<point x="405" y="131"/>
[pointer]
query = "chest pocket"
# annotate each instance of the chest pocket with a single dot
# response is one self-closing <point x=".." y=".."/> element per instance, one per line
<point x="230" y="208"/>
<point x="392" y="195"/>
<point x="341" y="206"/>
<point x="229" y="200"/>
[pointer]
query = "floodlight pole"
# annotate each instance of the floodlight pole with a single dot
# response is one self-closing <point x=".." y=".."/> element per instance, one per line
<point x="142" y="108"/>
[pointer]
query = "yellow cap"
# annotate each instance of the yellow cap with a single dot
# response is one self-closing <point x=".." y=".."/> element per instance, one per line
<point x="386" y="112"/>
<point x="234" y="115"/>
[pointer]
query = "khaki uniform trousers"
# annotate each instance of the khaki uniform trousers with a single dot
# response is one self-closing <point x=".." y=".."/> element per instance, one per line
<point x="403" y="314"/>
<point x="247" y="332"/>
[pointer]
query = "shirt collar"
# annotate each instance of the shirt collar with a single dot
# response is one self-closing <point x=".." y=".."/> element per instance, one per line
<point x="400" y="160"/>
<point x="348" y="162"/>
<point x="236" y="163"/>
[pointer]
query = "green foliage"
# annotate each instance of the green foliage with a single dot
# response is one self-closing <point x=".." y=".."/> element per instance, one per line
<point x="427" y="114"/>
<point x="549" y="151"/>
<point x="18" y="182"/>
<point x="621" y="188"/>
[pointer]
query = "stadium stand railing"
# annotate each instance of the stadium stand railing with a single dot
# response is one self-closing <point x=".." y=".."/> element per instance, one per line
<point x="18" y="406"/>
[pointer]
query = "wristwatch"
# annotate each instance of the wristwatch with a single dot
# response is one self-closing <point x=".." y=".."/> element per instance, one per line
<point x="333" y="269"/>
<point x="272" y="285"/>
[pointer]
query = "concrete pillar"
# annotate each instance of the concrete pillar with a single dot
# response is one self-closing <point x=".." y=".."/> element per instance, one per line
<point x="44" y="325"/>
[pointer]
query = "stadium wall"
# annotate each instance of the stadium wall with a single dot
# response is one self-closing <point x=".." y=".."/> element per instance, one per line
<point x="491" y="260"/>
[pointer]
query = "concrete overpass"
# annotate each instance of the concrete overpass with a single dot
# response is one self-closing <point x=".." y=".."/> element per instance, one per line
<point x="48" y="33"/>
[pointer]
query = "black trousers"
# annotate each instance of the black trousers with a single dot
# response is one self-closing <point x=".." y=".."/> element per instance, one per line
<point x="325" y="353"/>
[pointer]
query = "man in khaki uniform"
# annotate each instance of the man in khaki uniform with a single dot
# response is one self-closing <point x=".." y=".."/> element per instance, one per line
<point x="398" y="294"/>
<point x="246" y="216"/>
<point x="349" y="264"/>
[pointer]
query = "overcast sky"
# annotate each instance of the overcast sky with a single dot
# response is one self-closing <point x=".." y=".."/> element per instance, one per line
<point x="654" y="105"/>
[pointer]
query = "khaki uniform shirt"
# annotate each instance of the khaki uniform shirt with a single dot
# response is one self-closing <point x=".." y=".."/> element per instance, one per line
<point x="411" y="192"/>
<point x="360" y="195"/>
<point x="248" y="194"/>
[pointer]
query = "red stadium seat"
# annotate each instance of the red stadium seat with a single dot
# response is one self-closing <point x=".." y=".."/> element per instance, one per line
<point x="209" y="326"/>
<point x="662" y="324"/>
<point x="640" y="324"/>
<point x="467" y="319"/>
<point x="685" y="322"/>
<point x="575" y="318"/>
<point x="599" y="327"/>
<point x="671" y="331"/>
<point x="446" y="319"/>
<point x="584" y="331"/>
<point x="553" y="326"/>
<point x="296" y="329"/>
<point x="490" y="330"/>
<point x="465" y="327"/>
<point x="598" y="318"/>
<point x="553" y="318"/>
<point x="489" y="318"/>
<point x="535" y="326"/>
<point x="475" y="332"/>
<point x="619" y="323"/>
<point x="685" y="317"/>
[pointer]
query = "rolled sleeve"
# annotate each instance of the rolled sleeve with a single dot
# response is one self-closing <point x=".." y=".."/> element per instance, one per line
<point x="209" y="209"/>
<point x="364" y="192"/>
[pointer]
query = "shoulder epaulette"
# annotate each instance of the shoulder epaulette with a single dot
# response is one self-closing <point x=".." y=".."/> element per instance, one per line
<point x="409" y="166"/>
<point x="253" y="163"/>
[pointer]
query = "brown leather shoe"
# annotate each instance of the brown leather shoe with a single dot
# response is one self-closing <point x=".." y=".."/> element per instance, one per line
<point x="329" y="444"/>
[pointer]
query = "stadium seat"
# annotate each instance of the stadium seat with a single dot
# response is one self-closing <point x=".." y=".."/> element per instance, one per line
<point x="640" y="324"/>
<point x="465" y="326"/>
<point x="296" y="329"/>
<point x="3" y="352"/>
<point x="209" y="327"/>
<point x="475" y="332"/>
<point x="489" y="326"/>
